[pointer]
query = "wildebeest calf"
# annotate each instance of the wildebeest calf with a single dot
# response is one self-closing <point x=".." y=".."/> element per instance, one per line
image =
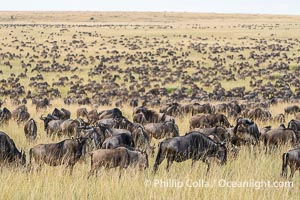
<point x="119" y="157"/>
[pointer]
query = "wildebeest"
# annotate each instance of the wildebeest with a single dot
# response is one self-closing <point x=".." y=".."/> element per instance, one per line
<point x="62" y="114"/>
<point x="119" y="157"/>
<point x="147" y="116"/>
<point x="162" y="130"/>
<point x="16" y="112"/>
<point x="291" y="109"/>
<point x="47" y="119"/>
<point x="69" y="127"/>
<point x="204" y="108"/>
<point x="23" y="116"/>
<point x="194" y="145"/>
<point x="279" y="136"/>
<point x="245" y="132"/>
<point x="218" y="134"/>
<point x="199" y="121"/>
<point x="118" y="140"/>
<point x="42" y="104"/>
<point x="295" y="126"/>
<point x="9" y="154"/>
<point x="5" y="116"/>
<point x="30" y="130"/>
<point x="66" y="152"/>
<point x="172" y="109"/>
<point x="218" y="119"/>
<point x="259" y="114"/>
<point x="280" y="118"/>
<point x="292" y="159"/>
<point x="82" y="112"/>
<point x="112" y="113"/>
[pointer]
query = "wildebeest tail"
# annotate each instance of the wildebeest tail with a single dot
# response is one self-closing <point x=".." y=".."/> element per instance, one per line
<point x="285" y="158"/>
<point x="30" y="157"/>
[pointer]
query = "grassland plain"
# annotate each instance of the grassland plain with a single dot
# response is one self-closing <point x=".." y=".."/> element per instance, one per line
<point x="55" y="183"/>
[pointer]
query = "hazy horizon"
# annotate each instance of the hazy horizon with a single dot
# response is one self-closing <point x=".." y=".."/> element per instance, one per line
<point x="281" y="7"/>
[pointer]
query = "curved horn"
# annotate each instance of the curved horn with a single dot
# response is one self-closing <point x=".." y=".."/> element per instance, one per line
<point x="42" y="118"/>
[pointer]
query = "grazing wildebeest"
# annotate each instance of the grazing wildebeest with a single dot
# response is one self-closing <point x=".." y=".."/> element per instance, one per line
<point x="30" y="130"/>
<point x="147" y="116"/>
<point x="259" y="114"/>
<point x="162" y="130"/>
<point x="193" y="145"/>
<point x="66" y="152"/>
<point x="280" y="118"/>
<point x="62" y="114"/>
<point x="279" y="136"/>
<point x="119" y="157"/>
<point x="118" y="140"/>
<point x="82" y="112"/>
<point x="172" y="109"/>
<point x="198" y="108"/>
<point x="245" y="132"/>
<point x="93" y="116"/>
<point x="140" y="136"/>
<point x="295" y="126"/>
<point x="5" y="116"/>
<point x="141" y="139"/>
<point x="218" y="119"/>
<point x="101" y="132"/>
<point x="9" y="154"/>
<point x="199" y="121"/>
<point x="291" y="109"/>
<point x="69" y="127"/>
<point x="292" y="159"/>
<point x="42" y="104"/>
<point x="218" y="134"/>
<point x="23" y="116"/>
<point x="139" y="118"/>
<point x="109" y="123"/>
<point x="16" y="112"/>
<point x="112" y="113"/>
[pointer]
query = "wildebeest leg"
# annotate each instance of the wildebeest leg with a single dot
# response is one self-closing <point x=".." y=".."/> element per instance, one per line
<point x="169" y="163"/>
<point x="208" y="166"/>
<point x="193" y="163"/>
<point x="293" y="169"/>
<point x="71" y="169"/>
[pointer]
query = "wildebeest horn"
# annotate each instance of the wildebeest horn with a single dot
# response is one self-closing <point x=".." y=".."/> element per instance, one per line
<point x="42" y="118"/>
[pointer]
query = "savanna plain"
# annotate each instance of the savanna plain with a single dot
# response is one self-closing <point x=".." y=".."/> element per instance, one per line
<point x="181" y="52"/>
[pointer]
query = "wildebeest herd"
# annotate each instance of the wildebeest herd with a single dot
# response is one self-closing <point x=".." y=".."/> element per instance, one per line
<point x="112" y="140"/>
<point x="163" y="90"/>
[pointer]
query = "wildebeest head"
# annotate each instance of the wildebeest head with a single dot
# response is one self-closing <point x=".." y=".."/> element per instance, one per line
<point x="78" y="145"/>
<point x="47" y="119"/>
<point x="242" y="136"/>
<point x="21" y="158"/>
